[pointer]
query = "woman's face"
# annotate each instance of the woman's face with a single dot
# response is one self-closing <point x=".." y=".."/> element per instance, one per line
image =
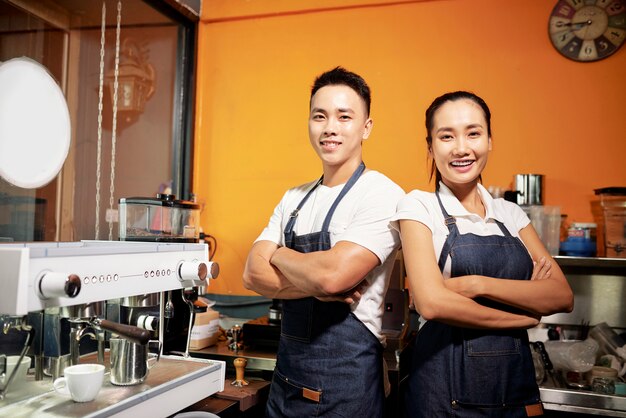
<point x="461" y="142"/>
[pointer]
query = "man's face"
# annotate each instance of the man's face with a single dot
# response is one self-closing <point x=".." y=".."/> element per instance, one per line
<point x="337" y="124"/>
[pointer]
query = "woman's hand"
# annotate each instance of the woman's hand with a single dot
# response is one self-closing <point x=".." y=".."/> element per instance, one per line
<point x="541" y="269"/>
<point x="473" y="286"/>
<point x="467" y="286"/>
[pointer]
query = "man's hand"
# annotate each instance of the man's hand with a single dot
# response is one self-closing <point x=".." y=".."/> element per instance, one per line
<point x="349" y="297"/>
<point x="260" y="276"/>
<point x="326" y="273"/>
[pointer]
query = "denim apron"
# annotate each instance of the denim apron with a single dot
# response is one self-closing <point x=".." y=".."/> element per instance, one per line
<point x="328" y="363"/>
<point x="465" y="372"/>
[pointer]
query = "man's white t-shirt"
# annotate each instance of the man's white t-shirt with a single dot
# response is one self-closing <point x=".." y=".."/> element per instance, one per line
<point x="362" y="217"/>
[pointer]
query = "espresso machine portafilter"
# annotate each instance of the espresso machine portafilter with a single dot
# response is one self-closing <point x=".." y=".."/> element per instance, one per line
<point x="65" y="328"/>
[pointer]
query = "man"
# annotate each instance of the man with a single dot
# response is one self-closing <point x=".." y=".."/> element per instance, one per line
<point x="327" y="253"/>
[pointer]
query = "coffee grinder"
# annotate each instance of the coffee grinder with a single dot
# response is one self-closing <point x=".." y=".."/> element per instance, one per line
<point x="163" y="219"/>
<point x="265" y="330"/>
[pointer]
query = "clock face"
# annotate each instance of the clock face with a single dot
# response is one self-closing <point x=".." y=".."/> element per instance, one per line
<point x="588" y="30"/>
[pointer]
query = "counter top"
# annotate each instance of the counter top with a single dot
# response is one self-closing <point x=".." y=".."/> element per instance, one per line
<point x="262" y="358"/>
<point x="587" y="402"/>
<point x="172" y="385"/>
<point x="596" y="262"/>
<point x="259" y="359"/>
<point x="599" y="286"/>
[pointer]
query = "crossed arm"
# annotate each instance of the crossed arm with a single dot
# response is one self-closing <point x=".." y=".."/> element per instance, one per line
<point x="452" y="300"/>
<point x="334" y="274"/>
<point x="546" y="293"/>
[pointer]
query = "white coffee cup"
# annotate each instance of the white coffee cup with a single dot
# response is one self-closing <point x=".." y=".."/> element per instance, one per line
<point x="82" y="382"/>
<point x="20" y="375"/>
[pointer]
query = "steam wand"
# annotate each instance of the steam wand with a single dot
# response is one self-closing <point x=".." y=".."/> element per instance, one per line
<point x="19" y="325"/>
<point x="191" y="317"/>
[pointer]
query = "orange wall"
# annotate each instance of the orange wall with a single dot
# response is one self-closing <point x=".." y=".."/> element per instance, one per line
<point x="257" y="61"/>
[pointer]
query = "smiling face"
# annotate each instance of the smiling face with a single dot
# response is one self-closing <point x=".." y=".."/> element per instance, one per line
<point x="338" y="122"/>
<point x="460" y="142"/>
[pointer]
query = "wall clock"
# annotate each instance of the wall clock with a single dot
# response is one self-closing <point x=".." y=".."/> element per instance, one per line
<point x="588" y="30"/>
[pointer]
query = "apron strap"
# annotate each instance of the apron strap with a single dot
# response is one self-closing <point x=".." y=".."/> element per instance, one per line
<point x="450" y="222"/>
<point x="454" y="231"/>
<point x="355" y="176"/>
<point x="294" y="214"/>
<point x="503" y="228"/>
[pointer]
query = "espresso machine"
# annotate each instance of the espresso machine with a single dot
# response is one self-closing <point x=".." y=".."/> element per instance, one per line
<point x="55" y="296"/>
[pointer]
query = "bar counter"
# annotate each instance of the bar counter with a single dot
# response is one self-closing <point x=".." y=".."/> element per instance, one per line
<point x="172" y="384"/>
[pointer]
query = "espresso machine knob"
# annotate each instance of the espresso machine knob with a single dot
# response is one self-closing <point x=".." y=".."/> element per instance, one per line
<point x="197" y="271"/>
<point x="53" y="285"/>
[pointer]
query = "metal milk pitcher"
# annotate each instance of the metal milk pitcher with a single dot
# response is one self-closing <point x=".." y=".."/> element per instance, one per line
<point x="530" y="189"/>
<point x="130" y="362"/>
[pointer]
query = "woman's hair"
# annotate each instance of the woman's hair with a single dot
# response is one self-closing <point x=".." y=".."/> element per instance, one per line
<point x="430" y="114"/>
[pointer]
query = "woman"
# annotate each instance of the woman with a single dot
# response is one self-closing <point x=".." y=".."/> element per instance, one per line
<point x="478" y="274"/>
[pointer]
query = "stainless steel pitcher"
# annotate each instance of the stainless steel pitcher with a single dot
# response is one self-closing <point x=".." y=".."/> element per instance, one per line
<point x="130" y="362"/>
<point x="530" y="188"/>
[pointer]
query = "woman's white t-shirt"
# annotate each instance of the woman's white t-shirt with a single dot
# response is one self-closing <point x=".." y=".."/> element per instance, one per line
<point x="423" y="207"/>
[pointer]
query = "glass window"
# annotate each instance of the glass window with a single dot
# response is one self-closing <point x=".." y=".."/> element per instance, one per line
<point x="150" y="150"/>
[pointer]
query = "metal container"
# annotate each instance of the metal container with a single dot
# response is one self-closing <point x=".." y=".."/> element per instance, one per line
<point x="54" y="366"/>
<point x="84" y="310"/>
<point x="130" y="362"/>
<point x="141" y="301"/>
<point x="530" y="188"/>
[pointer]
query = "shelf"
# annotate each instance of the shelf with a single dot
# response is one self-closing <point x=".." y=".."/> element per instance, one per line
<point x="602" y="262"/>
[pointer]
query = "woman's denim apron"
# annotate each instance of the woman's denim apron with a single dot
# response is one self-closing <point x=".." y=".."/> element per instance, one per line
<point x="464" y="372"/>
<point x="329" y="364"/>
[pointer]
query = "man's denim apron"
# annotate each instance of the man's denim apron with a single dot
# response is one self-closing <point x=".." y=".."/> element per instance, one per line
<point x="464" y="372"/>
<point x="329" y="364"/>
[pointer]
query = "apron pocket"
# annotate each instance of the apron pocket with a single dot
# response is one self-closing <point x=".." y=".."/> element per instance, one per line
<point x="297" y="319"/>
<point x="488" y="368"/>
<point x="294" y="398"/>
<point x="495" y="343"/>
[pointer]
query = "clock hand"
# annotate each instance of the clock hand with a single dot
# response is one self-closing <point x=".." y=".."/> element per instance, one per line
<point x="587" y="22"/>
